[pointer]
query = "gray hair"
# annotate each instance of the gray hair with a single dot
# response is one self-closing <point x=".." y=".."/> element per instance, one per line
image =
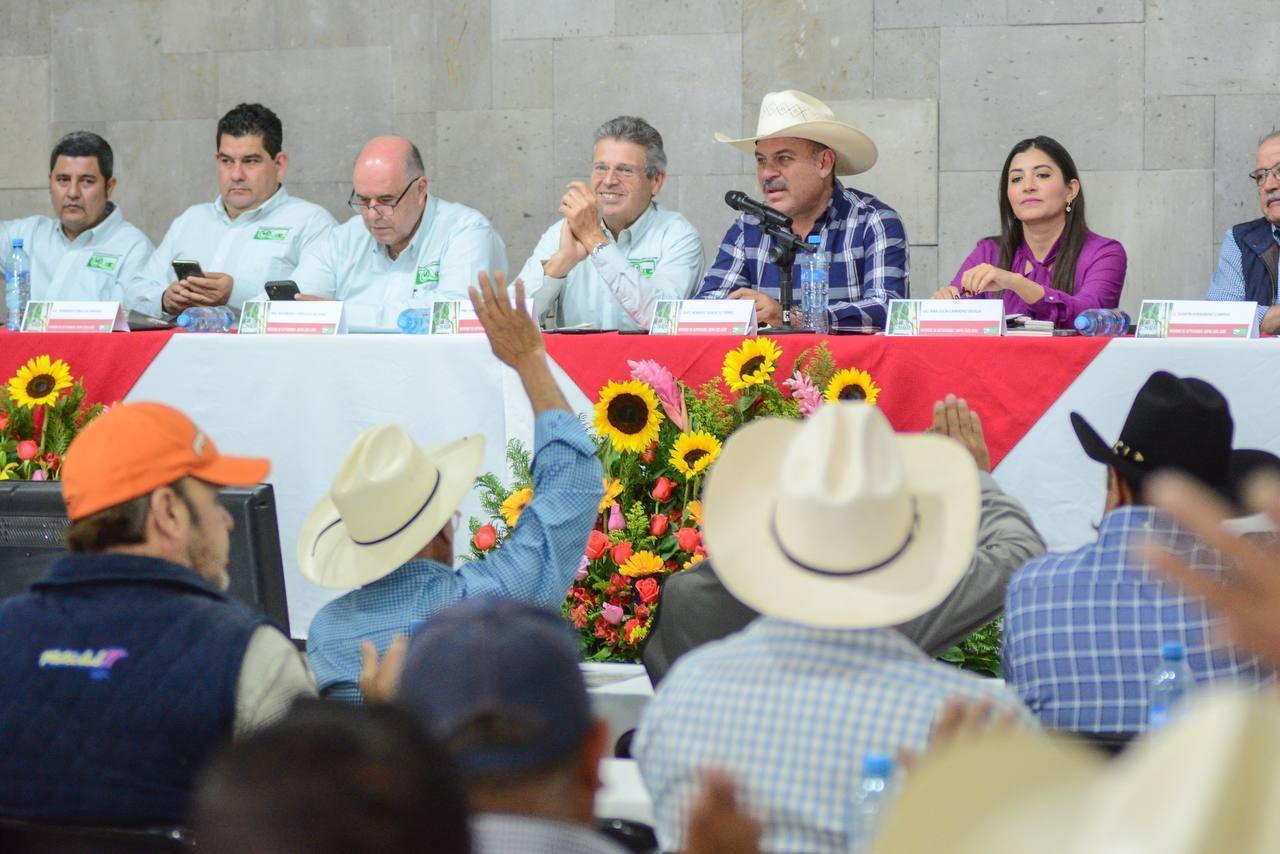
<point x="636" y="130"/>
<point x="1275" y="134"/>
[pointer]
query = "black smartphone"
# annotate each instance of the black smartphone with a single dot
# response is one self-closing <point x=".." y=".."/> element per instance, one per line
<point x="284" y="289"/>
<point x="186" y="269"/>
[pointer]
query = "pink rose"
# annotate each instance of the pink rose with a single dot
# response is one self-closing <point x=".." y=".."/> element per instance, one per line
<point x="688" y="539"/>
<point x="486" y="537"/>
<point x="612" y="614"/>
<point x="581" y="572"/>
<point x="27" y="450"/>
<point x="616" y="520"/>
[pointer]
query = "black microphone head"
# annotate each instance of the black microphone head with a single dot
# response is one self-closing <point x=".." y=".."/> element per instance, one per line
<point x="734" y="198"/>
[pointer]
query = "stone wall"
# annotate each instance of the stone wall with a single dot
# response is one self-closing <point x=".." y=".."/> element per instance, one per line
<point x="1160" y="103"/>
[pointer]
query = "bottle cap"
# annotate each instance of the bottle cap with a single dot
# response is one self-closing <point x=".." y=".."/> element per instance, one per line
<point x="814" y="240"/>
<point x="876" y="765"/>
<point x="1173" y="651"/>
<point x="185" y="319"/>
<point x="16" y="243"/>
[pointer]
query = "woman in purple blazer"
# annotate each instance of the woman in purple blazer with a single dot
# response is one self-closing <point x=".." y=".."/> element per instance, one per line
<point x="1045" y="263"/>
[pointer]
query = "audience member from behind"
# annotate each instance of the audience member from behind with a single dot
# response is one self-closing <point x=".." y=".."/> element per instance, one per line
<point x="1083" y="629"/>
<point x="850" y="530"/>
<point x="127" y="663"/>
<point x="87" y="251"/>
<point x="332" y="778"/>
<point x="1045" y="263"/>
<point x="1250" y="256"/>
<point x="697" y="609"/>
<point x="387" y="524"/>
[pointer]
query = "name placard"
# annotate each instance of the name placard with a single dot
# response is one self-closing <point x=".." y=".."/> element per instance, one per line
<point x="72" y="316"/>
<point x="292" y="317"/>
<point x="1197" y="319"/>
<point x="945" y="317"/>
<point x="704" y="317"/>
<point x="455" y="317"/>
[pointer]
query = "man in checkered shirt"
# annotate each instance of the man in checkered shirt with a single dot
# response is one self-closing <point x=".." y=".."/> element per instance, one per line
<point x="800" y="149"/>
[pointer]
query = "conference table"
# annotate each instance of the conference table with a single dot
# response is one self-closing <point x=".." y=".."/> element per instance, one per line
<point x="301" y="400"/>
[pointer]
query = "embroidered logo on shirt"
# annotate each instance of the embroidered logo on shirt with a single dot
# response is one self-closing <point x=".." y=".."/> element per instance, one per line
<point x="97" y="661"/>
<point x="428" y="274"/>
<point x="100" y="261"/>
<point x="268" y="233"/>
<point x="645" y="266"/>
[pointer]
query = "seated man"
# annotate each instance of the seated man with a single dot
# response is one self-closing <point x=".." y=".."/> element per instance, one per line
<point x="1083" y="629"/>
<point x="1250" y="255"/>
<point x="696" y="608"/>
<point x="615" y="253"/>
<point x="252" y="233"/>
<point x="404" y="248"/>
<point x="88" y="252"/>
<point x="834" y="529"/>
<point x="128" y="664"/>
<point x="800" y="149"/>
<point x="374" y="530"/>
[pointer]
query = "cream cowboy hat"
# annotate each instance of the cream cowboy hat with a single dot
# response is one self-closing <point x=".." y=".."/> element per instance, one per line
<point x="793" y="113"/>
<point x="389" y="498"/>
<point x="837" y="522"/>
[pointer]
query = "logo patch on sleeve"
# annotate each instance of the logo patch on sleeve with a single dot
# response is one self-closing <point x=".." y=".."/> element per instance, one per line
<point x="645" y="266"/>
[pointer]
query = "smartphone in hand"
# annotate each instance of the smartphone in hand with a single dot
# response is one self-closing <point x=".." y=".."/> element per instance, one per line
<point x="282" y="290"/>
<point x="186" y="269"/>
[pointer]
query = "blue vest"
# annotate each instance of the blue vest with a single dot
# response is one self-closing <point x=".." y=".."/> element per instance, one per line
<point x="1255" y="239"/>
<point x="118" y="676"/>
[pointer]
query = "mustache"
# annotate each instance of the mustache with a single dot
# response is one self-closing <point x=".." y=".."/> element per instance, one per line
<point x="1273" y="195"/>
<point x="774" y="184"/>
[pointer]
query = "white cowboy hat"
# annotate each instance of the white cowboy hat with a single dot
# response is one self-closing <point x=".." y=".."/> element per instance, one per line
<point x="836" y="522"/>
<point x="1209" y="782"/>
<point x="793" y="113"/>
<point x="389" y="498"/>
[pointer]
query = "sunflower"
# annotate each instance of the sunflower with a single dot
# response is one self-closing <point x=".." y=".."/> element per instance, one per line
<point x="694" y="510"/>
<point x="612" y="489"/>
<point x="852" y="384"/>
<point x="628" y="415"/>
<point x="514" y="505"/>
<point x="751" y="364"/>
<point x="642" y="563"/>
<point x="693" y="453"/>
<point x="39" y="381"/>
<point x="694" y="561"/>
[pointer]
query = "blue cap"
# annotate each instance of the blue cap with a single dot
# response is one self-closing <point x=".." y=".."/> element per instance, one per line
<point x="490" y="659"/>
<point x="877" y="765"/>
<point x="16" y="243"/>
<point x="814" y="240"/>
<point x="1172" y="651"/>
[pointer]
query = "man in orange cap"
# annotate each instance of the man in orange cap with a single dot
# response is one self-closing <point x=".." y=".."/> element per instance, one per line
<point x="127" y="663"/>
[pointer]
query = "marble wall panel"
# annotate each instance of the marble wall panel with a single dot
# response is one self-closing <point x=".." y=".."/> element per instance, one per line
<point x="671" y="17"/>
<point x="525" y="82"/>
<point x="700" y="198"/>
<point x="823" y="47"/>
<point x="1178" y="132"/>
<point x="15" y="204"/>
<point x="1074" y="11"/>
<point x="924" y="271"/>
<point x="24" y="145"/>
<point x="1240" y="121"/>
<point x="906" y="63"/>
<point x="172" y="169"/>
<point x="1237" y="56"/>
<point x="442" y="57"/>
<point x="967" y="212"/>
<point x="897" y="14"/>
<point x="519" y="19"/>
<point x="24" y="29"/>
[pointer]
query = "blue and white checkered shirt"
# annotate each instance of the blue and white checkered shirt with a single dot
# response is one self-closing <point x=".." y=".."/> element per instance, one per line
<point x="505" y="833"/>
<point x="1083" y="629"/>
<point x="864" y="240"/>
<point x="536" y="563"/>
<point x="1228" y="276"/>
<point x="789" y="712"/>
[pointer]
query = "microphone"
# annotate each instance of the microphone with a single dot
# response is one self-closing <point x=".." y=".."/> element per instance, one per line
<point x="740" y="201"/>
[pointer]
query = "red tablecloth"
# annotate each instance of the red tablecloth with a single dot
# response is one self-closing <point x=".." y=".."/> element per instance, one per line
<point x="1009" y="381"/>
<point x="109" y="363"/>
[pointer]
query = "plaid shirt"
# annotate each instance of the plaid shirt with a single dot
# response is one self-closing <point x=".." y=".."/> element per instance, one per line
<point x="505" y="833"/>
<point x="789" y="712"/>
<point x="535" y="564"/>
<point x="867" y="246"/>
<point x="1083" y="629"/>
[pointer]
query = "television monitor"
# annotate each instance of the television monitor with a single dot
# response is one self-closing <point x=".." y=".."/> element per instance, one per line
<point x="33" y="520"/>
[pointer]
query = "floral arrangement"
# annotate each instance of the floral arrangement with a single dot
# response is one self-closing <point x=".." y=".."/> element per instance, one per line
<point x="42" y="408"/>
<point x="656" y="438"/>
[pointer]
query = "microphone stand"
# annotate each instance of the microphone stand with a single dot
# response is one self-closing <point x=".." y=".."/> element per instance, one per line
<point x="783" y="255"/>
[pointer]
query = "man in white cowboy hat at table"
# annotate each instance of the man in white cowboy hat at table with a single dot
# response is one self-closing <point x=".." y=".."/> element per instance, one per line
<point x="385" y="526"/>
<point x="800" y="148"/>
<point x="845" y="530"/>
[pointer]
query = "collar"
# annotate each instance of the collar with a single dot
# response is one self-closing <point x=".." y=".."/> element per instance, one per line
<point x="1123" y="521"/>
<point x="113" y="215"/>
<point x="1049" y="258"/>
<point x="636" y="229"/>
<point x="76" y="569"/>
<point x="276" y="199"/>
<point x="411" y="248"/>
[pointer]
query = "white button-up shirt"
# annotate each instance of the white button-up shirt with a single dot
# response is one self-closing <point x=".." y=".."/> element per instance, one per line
<point x="452" y="244"/>
<point x="256" y="247"/>
<point x="659" y="257"/>
<point x="97" y="265"/>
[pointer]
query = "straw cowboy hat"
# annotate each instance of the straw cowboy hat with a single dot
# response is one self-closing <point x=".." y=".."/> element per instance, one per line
<point x="837" y="522"/>
<point x="791" y="113"/>
<point x="389" y="498"/>
<point x="1209" y="782"/>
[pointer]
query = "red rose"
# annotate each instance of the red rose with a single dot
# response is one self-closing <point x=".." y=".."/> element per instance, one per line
<point x="51" y="458"/>
<point x="486" y="537"/>
<point x="597" y="542"/>
<point x="658" y="524"/>
<point x="688" y="538"/>
<point x="648" y="590"/>
<point x="621" y="552"/>
<point x="4" y="421"/>
<point x="27" y="449"/>
<point x="663" y="488"/>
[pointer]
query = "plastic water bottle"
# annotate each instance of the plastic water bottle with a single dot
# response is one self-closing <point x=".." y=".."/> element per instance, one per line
<point x="415" y="321"/>
<point x="207" y="318"/>
<point x="17" y="285"/>
<point x="1103" y="322"/>
<point x="871" y="800"/>
<point x="815" y="285"/>
<point x="1170" y="686"/>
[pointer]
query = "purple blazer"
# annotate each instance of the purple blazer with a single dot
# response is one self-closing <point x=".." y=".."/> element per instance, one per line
<point x="1099" y="278"/>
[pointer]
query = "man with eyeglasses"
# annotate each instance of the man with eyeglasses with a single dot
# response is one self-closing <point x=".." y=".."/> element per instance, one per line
<point x="615" y="253"/>
<point x="252" y="233"/>
<point x="1250" y="256"/>
<point x="404" y="248"/>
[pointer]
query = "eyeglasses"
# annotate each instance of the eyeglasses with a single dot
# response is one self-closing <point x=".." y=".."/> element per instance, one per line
<point x="1259" y="176"/>
<point x="382" y="209"/>
<point x="625" y="172"/>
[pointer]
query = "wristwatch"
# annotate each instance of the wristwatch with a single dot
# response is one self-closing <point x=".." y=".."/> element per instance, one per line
<point x="595" y="250"/>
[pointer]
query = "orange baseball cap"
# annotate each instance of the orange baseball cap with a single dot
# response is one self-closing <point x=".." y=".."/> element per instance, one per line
<point x="136" y="448"/>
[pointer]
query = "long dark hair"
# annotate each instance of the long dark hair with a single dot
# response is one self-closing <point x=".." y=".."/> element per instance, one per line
<point x="1073" y="233"/>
